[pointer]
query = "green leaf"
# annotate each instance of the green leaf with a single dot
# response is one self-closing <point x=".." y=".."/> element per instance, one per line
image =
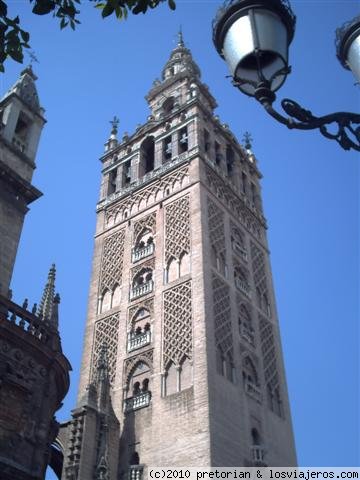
<point x="172" y="4"/>
<point x="3" y="9"/>
<point x="2" y="69"/>
<point x="63" y="23"/>
<point x="16" y="55"/>
<point x="25" y="36"/>
<point x="107" y="10"/>
<point x="118" y="12"/>
<point x="43" y="7"/>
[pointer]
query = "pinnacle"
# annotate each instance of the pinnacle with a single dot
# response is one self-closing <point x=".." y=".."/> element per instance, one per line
<point x="180" y="38"/>
<point x="47" y="309"/>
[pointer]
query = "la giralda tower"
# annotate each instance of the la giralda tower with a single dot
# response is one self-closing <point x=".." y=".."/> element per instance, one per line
<point x="182" y="362"/>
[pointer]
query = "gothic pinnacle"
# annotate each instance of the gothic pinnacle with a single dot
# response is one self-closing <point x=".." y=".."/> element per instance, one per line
<point x="47" y="309"/>
<point x="102" y="364"/>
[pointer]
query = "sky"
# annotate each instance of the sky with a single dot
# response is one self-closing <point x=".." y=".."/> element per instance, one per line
<point x="310" y="190"/>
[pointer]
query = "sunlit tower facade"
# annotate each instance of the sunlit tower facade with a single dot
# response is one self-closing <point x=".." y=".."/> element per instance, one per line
<point x="181" y="315"/>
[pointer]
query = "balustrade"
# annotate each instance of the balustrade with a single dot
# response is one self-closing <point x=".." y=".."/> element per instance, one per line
<point x="27" y="321"/>
<point x="136" y="472"/>
<point x="139" y="401"/>
<point x="143" y="289"/>
<point x="140" y="253"/>
<point x="136" y="341"/>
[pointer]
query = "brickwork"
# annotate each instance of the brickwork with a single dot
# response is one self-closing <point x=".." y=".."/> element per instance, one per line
<point x="189" y="386"/>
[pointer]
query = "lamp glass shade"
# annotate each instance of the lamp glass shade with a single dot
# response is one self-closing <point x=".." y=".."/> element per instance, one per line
<point x="353" y="57"/>
<point x="256" y="50"/>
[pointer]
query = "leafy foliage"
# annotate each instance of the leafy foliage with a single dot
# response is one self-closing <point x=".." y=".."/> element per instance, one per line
<point x="13" y="39"/>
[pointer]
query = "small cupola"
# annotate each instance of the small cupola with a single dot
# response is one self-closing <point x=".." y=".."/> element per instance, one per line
<point x="180" y="61"/>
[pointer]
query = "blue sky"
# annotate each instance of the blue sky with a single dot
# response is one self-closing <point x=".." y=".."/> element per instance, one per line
<point x="310" y="190"/>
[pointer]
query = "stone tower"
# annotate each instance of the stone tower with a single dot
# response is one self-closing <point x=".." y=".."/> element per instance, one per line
<point x="181" y="292"/>
<point x="34" y="373"/>
<point x="21" y="122"/>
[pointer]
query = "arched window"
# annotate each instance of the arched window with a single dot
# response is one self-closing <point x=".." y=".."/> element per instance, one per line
<point x="249" y="371"/>
<point x="250" y="379"/>
<point x="140" y="330"/>
<point x="183" y="140"/>
<point x="184" y="267"/>
<point x="138" y="392"/>
<point x="240" y="280"/>
<point x="178" y="377"/>
<point x="185" y="380"/>
<point x="112" y="181"/>
<point x="147" y="156"/>
<point x="238" y="242"/>
<point x="144" y="245"/>
<point x="245" y="325"/>
<point x="135" y="459"/>
<point x="230" y="158"/>
<point x="144" y="276"/>
<point x="105" y="301"/>
<point x="255" y="437"/>
<point x="136" y="389"/>
<point x="116" y="296"/>
<point x="142" y="283"/>
<point x="168" y="105"/>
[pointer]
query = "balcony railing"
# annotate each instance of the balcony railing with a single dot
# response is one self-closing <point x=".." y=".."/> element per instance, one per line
<point x="239" y="250"/>
<point x="242" y="286"/>
<point x="28" y="322"/>
<point x="136" y="472"/>
<point x="136" y="341"/>
<point x="257" y="453"/>
<point x="139" y="401"/>
<point x="253" y="391"/>
<point x="142" y="289"/>
<point x="140" y="253"/>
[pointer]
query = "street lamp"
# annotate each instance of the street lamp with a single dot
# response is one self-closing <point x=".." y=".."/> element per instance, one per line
<point x="253" y="36"/>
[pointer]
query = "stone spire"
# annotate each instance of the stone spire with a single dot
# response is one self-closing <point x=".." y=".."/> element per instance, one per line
<point x="48" y="308"/>
<point x="25" y="88"/>
<point x="180" y="61"/>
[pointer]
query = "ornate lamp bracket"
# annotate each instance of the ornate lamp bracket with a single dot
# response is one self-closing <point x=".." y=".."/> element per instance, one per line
<point x="347" y="125"/>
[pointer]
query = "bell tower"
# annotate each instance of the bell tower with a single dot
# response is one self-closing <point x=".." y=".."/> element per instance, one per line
<point x="21" y="123"/>
<point x="181" y="291"/>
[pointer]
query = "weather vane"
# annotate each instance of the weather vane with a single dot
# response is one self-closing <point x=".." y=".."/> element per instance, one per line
<point x="247" y="139"/>
<point x="33" y="57"/>
<point x="114" y="123"/>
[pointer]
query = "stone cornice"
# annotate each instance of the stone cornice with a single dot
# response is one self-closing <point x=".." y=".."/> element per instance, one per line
<point x="18" y="184"/>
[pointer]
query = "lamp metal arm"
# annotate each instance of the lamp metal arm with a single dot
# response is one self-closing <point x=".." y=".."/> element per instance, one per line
<point x="302" y="119"/>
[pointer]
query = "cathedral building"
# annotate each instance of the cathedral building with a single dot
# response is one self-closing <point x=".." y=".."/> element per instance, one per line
<point x="182" y="362"/>
<point x="34" y="373"/>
